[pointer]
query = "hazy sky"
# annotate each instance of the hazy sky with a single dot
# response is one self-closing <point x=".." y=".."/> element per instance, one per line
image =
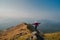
<point x="36" y="9"/>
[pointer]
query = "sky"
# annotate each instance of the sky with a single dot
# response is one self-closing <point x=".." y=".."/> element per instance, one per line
<point x="35" y="9"/>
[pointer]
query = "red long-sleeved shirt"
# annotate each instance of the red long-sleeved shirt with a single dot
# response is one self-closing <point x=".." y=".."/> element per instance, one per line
<point x="36" y="24"/>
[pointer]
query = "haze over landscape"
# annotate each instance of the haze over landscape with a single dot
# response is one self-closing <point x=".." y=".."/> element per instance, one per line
<point x="20" y="19"/>
<point x="13" y="12"/>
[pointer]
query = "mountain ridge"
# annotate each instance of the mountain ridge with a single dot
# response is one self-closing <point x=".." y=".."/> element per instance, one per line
<point x="19" y="30"/>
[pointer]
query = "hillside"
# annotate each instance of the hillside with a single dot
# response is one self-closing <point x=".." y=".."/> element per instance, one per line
<point x="47" y="36"/>
<point x="14" y="33"/>
<point x="26" y="31"/>
<point x="52" y="36"/>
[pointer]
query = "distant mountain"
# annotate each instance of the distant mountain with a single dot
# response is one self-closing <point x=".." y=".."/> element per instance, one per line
<point x="6" y="23"/>
<point x="49" y="26"/>
<point x="46" y="25"/>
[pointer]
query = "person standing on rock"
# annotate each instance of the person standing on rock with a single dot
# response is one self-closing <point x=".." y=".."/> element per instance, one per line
<point x="37" y="33"/>
<point x="36" y="24"/>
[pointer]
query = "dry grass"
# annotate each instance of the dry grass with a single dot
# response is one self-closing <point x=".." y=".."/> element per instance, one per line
<point x="48" y="36"/>
<point x="24" y="37"/>
<point x="52" y="36"/>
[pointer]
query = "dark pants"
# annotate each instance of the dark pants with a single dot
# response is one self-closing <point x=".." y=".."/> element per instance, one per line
<point x="37" y="34"/>
<point x="35" y="27"/>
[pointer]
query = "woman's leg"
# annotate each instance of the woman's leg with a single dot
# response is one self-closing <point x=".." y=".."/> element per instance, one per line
<point x="35" y="27"/>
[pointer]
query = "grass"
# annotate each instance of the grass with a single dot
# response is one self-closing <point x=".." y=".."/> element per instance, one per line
<point x="24" y="37"/>
<point x="48" y="36"/>
<point x="52" y="36"/>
